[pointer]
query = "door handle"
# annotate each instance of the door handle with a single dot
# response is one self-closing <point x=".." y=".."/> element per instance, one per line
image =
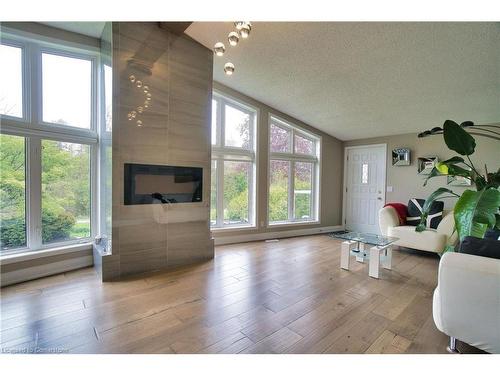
<point x="379" y="198"/>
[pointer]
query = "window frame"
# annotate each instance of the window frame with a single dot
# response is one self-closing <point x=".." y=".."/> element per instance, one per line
<point x="293" y="157"/>
<point x="34" y="130"/>
<point x="222" y="153"/>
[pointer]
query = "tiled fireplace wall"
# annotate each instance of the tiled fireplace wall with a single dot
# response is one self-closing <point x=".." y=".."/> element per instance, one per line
<point x="175" y="130"/>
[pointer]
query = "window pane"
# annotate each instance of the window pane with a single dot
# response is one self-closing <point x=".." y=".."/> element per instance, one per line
<point x="236" y="182"/>
<point x="66" y="90"/>
<point x="11" y="89"/>
<point x="303" y="145"/>
<point x="303" y="191"/>
<point x="108" y="97"/>
<point x="237" y="128"/>
<point x="213" y="194"/>
<point x="12" y="192"/>
<point x="364" y="174"/>
<point x="214" y="122"/>
<point x="278" y="190"/>
<point x="279" y="139"/>
<point x="65" y="191"/>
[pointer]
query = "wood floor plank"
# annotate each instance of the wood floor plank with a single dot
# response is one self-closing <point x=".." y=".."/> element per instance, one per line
<point x="278" y="342"/>
<point x="428" y="340"/>
<point x="393" y="307"/>
<point x="412" y="318"/>
<point x="389" y="343"/>
<point x="337" y="323"/>
<point x="359" y="337"/>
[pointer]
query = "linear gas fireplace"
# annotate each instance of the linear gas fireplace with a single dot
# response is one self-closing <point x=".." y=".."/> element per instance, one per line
<point x="151" y="184"/>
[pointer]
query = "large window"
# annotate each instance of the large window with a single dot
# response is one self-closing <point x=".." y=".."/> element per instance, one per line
<point x="232" y="202"/>
<point x="48" y="140"/>
<point x="293" y="174"/>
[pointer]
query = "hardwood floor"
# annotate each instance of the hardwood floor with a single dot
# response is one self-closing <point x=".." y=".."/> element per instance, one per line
<point x="279" y="297"/>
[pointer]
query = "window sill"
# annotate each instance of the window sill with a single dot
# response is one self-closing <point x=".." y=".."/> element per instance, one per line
<point x="293" y="223"/>
<point x="233" y="228"/>
<point x="35" y="254"/>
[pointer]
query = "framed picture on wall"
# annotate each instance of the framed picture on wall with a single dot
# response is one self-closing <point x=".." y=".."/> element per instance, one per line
<point x="401" y="156"/>
<point x="425" y="164"/>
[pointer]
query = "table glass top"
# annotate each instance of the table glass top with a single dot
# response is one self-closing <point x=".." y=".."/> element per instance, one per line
<point x="368" y="238"/>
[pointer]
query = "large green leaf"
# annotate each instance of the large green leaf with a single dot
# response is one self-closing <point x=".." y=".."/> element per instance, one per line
<point x="457" y="139"/>
<point x="476" y="211"/>
<point x="428" y="204"/>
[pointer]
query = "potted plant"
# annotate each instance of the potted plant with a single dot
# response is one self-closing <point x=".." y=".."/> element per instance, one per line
<point x="475" y="210"/>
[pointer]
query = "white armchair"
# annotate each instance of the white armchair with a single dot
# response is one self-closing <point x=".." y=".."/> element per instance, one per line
<point x="466" y="302"/>
<point x="433" y="240"/>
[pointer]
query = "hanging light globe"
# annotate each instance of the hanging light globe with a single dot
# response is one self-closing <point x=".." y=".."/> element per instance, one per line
<point x="239" y="24"/>
<point x="245" y="30"/>
<point x="233" y="38"/>
<point x="229" y="68"/>
<point x="219" y="48"/>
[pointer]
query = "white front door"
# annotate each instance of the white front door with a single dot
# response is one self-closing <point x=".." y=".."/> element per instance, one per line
<point x="364" y="187"/>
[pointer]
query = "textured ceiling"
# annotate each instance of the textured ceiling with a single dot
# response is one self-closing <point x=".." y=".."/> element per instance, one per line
<point x="93" y="29"/>
<point x="358" y="80"/>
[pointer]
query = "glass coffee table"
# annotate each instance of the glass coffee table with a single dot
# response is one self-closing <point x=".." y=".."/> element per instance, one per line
<point x="354" y="245"/>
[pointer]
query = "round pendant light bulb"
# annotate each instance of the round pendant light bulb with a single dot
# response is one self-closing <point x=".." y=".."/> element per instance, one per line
<point x="219" y="48"/>
<point x="245" y="30"/>
<point x="233" y="38"/>
<point x="229" y="68"/>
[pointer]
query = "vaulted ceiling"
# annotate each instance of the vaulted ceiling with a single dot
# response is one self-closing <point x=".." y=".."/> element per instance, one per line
<point x="358" y="80"/>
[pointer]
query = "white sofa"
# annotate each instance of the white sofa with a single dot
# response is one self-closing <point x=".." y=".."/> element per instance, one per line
<point x="433" y="240"/>
<point x="466" y="302"/>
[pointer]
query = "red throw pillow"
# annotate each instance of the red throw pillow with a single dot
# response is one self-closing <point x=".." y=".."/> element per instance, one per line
<point x="401" y="210"/>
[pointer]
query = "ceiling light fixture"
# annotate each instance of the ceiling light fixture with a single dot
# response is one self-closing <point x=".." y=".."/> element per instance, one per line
<point x="239" y="24"/>
<point x="219" y="48"/>
<point x="229" y="68"/>
<point x="233" y="38"/>
<point x="140" y="109"/>
<point x="245" y="30"/>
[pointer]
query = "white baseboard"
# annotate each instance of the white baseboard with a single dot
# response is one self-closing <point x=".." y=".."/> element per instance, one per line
<point x="271" y="235"/>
